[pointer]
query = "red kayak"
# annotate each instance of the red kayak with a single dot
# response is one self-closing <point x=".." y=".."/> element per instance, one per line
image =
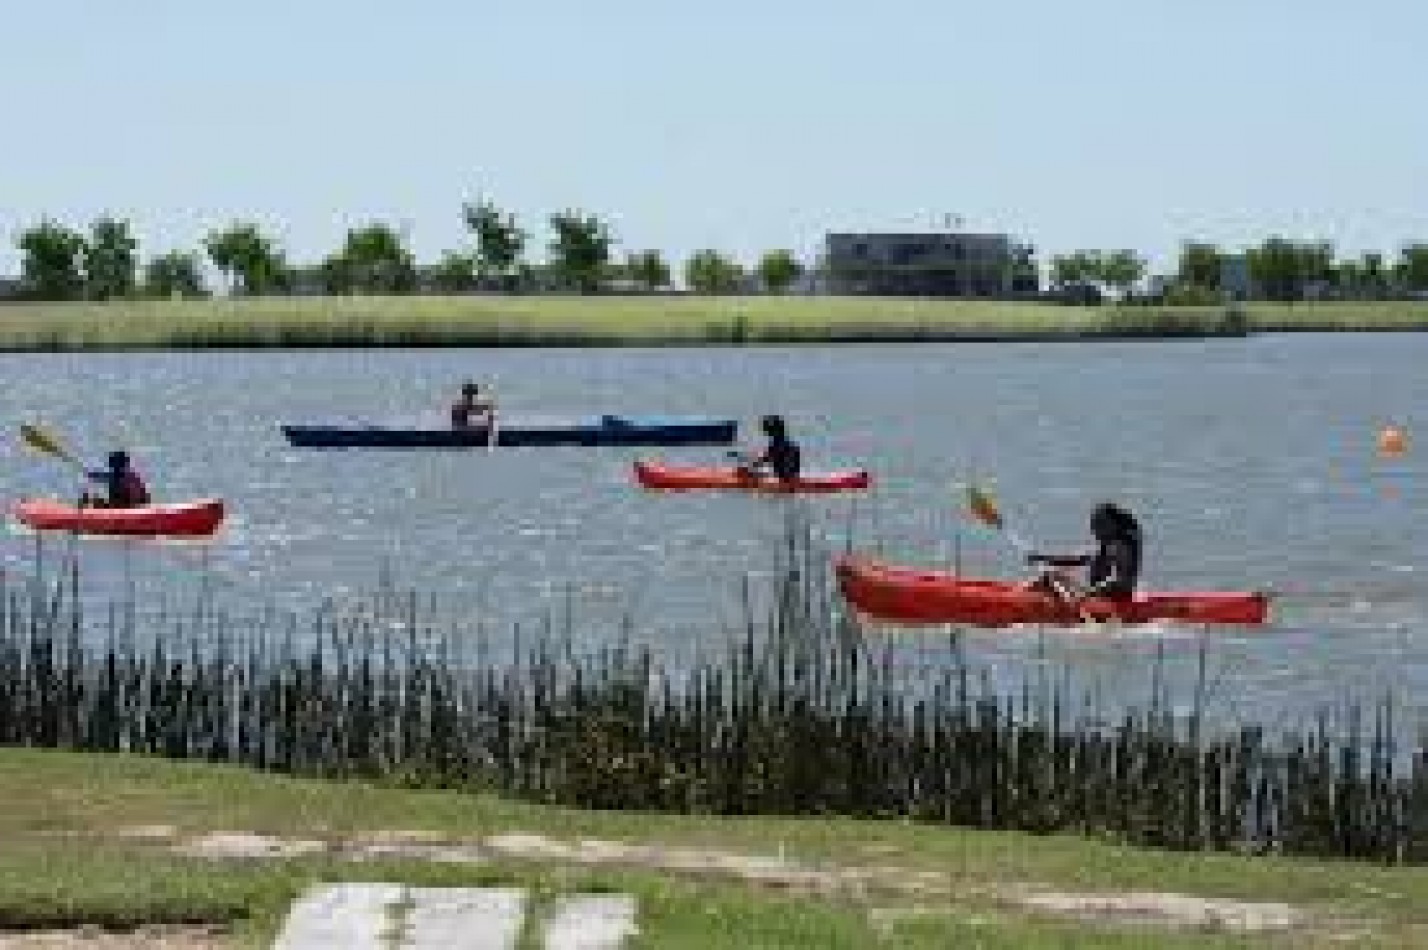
<point x="662" y="477"/>
<point x="187" y="520"/>
<point x="912" y="596"/>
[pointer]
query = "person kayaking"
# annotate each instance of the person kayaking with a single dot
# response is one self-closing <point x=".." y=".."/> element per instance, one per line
<point x="124" y="486"/>
<point x="1112" y="569"/>
<point x="781" y="456"/>
<point x="472" y="410"/>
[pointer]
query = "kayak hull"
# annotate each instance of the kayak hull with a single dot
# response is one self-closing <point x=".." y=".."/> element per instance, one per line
<point x="913" y="596"/>
<point x="187" y="520"/>
<point x="659" y="477"/>
<point x="521" y="431"/>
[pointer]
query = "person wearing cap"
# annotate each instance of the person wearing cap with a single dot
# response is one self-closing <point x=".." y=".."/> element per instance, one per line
<point x="472" y="410"/>
<point x="124" y="487"/>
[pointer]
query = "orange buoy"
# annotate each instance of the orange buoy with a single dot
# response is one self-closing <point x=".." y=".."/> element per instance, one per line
<point x="1392" y="442"/>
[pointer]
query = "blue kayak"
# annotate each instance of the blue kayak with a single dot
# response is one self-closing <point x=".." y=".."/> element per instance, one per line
<point x="518" y="430"/>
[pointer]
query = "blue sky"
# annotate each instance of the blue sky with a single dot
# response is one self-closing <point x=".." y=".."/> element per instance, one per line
<point x="740" y="125"/>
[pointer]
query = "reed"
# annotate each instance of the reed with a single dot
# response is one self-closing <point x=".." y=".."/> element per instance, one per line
<point x="555" y="320"/>
<point x="797" y="714"/>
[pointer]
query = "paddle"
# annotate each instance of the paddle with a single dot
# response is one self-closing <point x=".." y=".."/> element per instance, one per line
<point x="983" y="507"/>
<point x="47" y="444"/>
<point x="492" y="436"/>
<point x="744" y="464"/>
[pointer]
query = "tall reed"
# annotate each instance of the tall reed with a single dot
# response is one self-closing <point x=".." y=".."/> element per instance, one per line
<point x="797" y="714"/>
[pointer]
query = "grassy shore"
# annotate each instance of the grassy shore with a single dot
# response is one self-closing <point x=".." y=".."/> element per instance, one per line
<point x="68" y="857"/>
<point x="933" y="813"/>
<point x="616" y="320"/>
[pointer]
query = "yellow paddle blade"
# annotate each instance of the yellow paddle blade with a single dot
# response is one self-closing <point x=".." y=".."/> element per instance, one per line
<point x="983" y="506"/>
<point x="41" y="441"/>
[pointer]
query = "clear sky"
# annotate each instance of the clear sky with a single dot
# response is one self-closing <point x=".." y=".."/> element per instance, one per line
<point x="740" y="125"/>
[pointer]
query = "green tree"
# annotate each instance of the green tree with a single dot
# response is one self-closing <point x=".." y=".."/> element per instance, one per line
<point x="1072" y="270"/>
<point x="1413" y="266"/>
<point x="53" y="261"/>
<point x="1274" y="268"/>
<point x="455" y="273"/>
<point x="175" y="274"/>
<point x="1119" y="269"/>
<point x="647" y="269"/>
<point x="499" y="241"/>
<point x="1200" y="265"/>
<point x="1023" y="273"/>
<point x="777" y="270"/>
<point x="709" y="272"/>
<point x="110" y="260"/>
<point x="580" y="250"/>
<point x="249" y="260"/>
<point x="1283" y="270"/>
<point x="373" y="260"/>
<point x="1348" y="279"/>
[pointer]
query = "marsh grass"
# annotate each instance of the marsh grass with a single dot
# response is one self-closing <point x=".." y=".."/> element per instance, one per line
<point x="798" y="715"/>
<point x="549" y="320"/>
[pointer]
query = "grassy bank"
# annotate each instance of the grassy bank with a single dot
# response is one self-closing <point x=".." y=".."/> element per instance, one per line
<point x="69" y="856"/>
<point x="551" y="320"/>
<point x="609" y="321"/>
<point x="935" y="809"/>
<point x="798" y="716"/>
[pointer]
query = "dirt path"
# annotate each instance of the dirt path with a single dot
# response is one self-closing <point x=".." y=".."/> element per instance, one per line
<point x="148" y="938"/>
<point x="926" y="887"/>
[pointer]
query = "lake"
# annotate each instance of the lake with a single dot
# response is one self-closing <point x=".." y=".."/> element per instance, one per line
<point x="1251" y="463"/>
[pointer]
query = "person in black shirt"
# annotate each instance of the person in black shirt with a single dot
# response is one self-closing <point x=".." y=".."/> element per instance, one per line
<point x="1112" y="569"/>
<point x="781" y="456"/>
<point x="472" y="410"/>
<point x="123" y="486"/>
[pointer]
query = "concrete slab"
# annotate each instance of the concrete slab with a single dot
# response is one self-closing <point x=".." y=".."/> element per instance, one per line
<point x="463" y="918"/>
<point x="591" y="922"/>
<point x="350" y="916"/>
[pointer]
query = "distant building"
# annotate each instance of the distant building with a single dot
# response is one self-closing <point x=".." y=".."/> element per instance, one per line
<point x="11" y="288"/>
<point x="947" y="264"/>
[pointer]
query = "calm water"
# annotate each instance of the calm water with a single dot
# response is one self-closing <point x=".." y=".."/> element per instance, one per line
<point x="1251" y="462"/>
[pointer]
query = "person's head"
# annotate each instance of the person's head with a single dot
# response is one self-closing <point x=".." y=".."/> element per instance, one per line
<point x="774" y="427"/>
<point x="119" y="461"/>
<point x="470" y="390"/>
<point x="1112" y="521"/>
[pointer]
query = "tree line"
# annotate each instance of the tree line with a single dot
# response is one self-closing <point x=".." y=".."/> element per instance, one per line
<point x="1278" y="269"/>
<point x="61" y="263"/>
<point x="103" y="263"/>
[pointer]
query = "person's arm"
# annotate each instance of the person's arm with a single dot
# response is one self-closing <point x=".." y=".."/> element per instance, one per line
<point x="141" y="490"/>
<point x="1059" y="560"/>
<point x="757" y="461"/>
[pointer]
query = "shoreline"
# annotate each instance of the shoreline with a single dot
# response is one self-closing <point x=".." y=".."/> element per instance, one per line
<point x="516" y="321"/>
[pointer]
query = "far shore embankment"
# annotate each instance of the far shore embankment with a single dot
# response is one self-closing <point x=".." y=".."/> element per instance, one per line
<point x="664" y="320"/>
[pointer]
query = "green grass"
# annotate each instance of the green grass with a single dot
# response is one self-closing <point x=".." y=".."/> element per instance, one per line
<point x="614" y="320"/>
<point x="60" y="864"/>
<point x="553" y="320"/>
<point x="91" y="884"/>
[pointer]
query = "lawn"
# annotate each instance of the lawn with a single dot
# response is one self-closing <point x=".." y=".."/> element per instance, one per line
<point x="63" y="862"/>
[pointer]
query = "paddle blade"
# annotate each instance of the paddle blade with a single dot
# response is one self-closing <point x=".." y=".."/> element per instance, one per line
<point x="983" y="506"/>
<point x="44" y="443"/>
